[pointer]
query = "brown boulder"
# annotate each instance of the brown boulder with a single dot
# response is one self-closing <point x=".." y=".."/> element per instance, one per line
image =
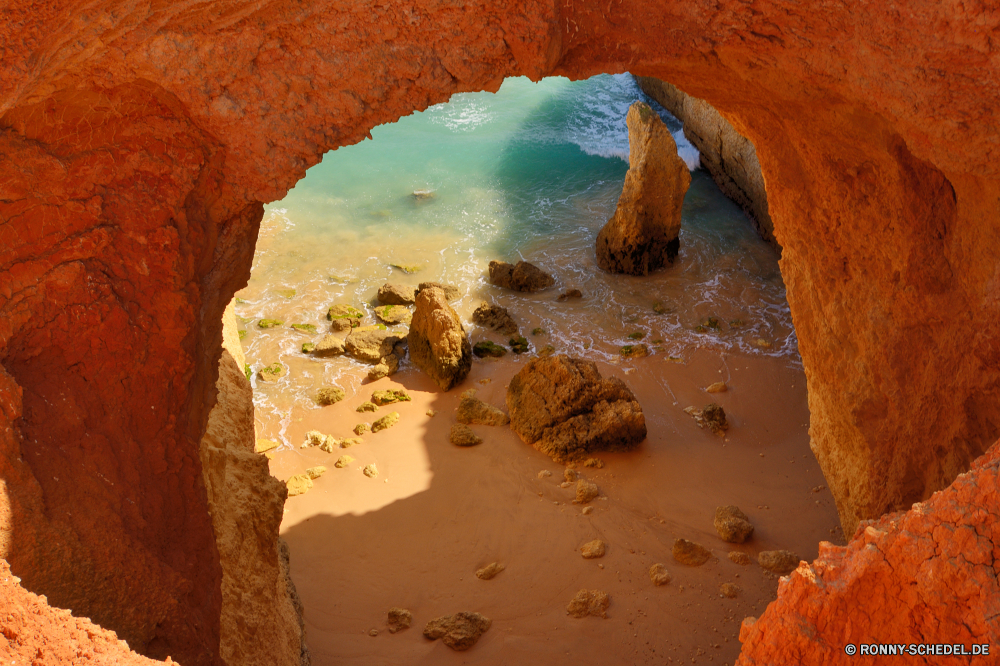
<point x="371" y="344"/>
<point x="593" y="550"/>
<point x="330" y="345"/>
<point x="781" y="562"/>
<point x="399" y="619"/>
<point x="521" y="276"/>
<point x="732" y="524"/>
<point x="451" y="292"/>
<point x="438" y="344"/>
<point x="495" y="317"/>
<point x="659" y="575"/>
<point x="490" y="571"/>
<point x="474" y="411"/>
<point x="459" y="631"/>
<point x="690" y="553"/>
<point x="462" y="435"/>
<point x="565" y="409"/>
<point x="396" y="294"/>
<point x="589" y="602"/>
<point x="642" y="234"/>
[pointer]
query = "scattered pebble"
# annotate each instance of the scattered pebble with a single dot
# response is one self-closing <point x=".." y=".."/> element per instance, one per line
<point x="565" y="484"/>
<point x="373" y="633"/>
<point x="431" y="412"/>
<point x="733" y="525"/>
<point x="815" y="490"/>
<point x="485" y="381"/>
<point x="459" y="631"/>
<point x="781" y="562"/>
<point x="462" y="435"/>
<point x="729" y="590"/>
<point x="587" y="510"/>
<point x="570" y="474"/>
<point x="586" y="491"/>
<point x="717" y="387"/>
<point x="348" y="442"/>
<point x="594" y="462"/>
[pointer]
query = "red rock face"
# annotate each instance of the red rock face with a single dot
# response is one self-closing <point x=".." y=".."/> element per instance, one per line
<point x="137" y="140"/>
<point x="926" y="576"/>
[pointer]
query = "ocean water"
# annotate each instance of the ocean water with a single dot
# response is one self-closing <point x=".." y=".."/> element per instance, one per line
<point x="532" y="172"/>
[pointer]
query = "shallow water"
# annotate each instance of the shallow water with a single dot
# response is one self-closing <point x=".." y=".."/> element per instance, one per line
<point x="532" y="172"/>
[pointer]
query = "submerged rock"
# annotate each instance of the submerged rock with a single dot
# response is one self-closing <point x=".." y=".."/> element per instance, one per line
<point x="451" y="292"/>
<point x="518" y="344"/>
<point x="490" y="571"/>
<point x="642" y="235"/>
<point x="269" y="323"/>
<point x="329" y="395"/>
<point x="344" y="317"/>
<point x="437" y="341"/>
<point x="371" y="344"/>
<point x="494" y="317"/>
<point x="272" y="373"/>
<point x="565" y="409"/>
<point x="634" y="351"/>
<point x="690" y="553"/>
<point x="462" y="435"/>
<point x="393" y="314"/>
<point x="589" y="602"/>
<point x="732" y="524"/>
<point x="572" y="293"/>
<point x="519" y="277"/>
<point x="459" y="631"/>
<point x="396" y="294"/>
<point x="488" y="348"/>
<point x="399" y="619"/>
<point x="474" y="411"/>
<point x="593" y="549"/>
<point x="386" y="421"/>
<point x="781" y="562"/>
<point x="659" y="575"/>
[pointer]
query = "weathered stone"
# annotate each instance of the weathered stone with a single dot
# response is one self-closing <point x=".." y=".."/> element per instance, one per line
<point x="781" y="562"/>
<point x="396" y="294"/>
<point x="544" y="474"/>
<point x="594" y="462"/>
<point x="519" y="277"/>
<point x="348" y="442"/>
<point x="462" y="435"/>
<point x="370" y="471"/>
<point x="399" y="619"/>
<point x="371" y="344"/>
<point x="329" y="395"/>
<point x="586" y="491"/>
<point x="518" y="344"/>
<point x="488" y="348"/>
<point x="348" y="315"/>
<point x="387" y="367"/>
<point x="451" y="292"/>
<point x="389" y="396"/>
<point x="473" y="411"/>
<point x="438" y="344"/>
<point x="690" y="553"/>
<point x="565" y="409"/>
<point x="730" y="590"/>
<point x="330" y="345"/>
<point x="313" y="438"/>
<point x="659" y="575"/>
<point x="712" y="417"/>
<point x="572" y="293"/>
<point x="717" y="387"/>
<point x="593" y="549"/>
<point x="732" y="524"/>
<point x="299" y="484"/>
<point x="386" y="421"/>
<point x="634" y="351"/>
<point x="315" y="472"/>
<point x="361" y="429"/>
<point x="739" y="557"/>
<point x="459" y="631"/>
<point x="272" y="373"/>
<point x="642" y="236"/>
<point x="343" y="461"/>
<point x="490" y="571"/>
<point x="393" y="314"/>
<point x="589" y="602"/>
<point x="329" y="444"/>
<point x="343" y="325"/>
<point x="367" y="407"/>
<point x="495" y="317"/>
<point x="570" y="474"/>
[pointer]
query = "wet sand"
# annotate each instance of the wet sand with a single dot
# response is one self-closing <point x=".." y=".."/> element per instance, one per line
<point x="414" y="536"/>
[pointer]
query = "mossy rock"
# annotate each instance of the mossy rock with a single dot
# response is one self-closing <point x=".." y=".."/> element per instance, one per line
<point x="248" y="371"/>
<point x="269" y="323"/>
<point x="736" y="323"/>
<point x="547" y="350"/>
<point x="389" y="396"/>
<point x="305" y="328"/>
<point x="634" y="351"/>
<point x="409" y="269"/>
<point x="285" y="293"/>
<point x="367" y="407"/>
<point x="242" y="333"/>
<point x="700" y="329"/>
<point x="538" y="331"/>
<point x="244" y="320"/>
<point x="241" y="301"/>
<point x="386" y="421"/>
<point x="308" y="347"/>
<point x="345" y="312"/>
<point x="712" y="323"/>
<point x="272" y="373"/>
<point x="329" y="395"/>
<point x="638" y="335"/>
<point x="660" y="308"/>
<point x="394" y="314"/>
<point x="488" y="348"/>
<point x="518" y="344"/>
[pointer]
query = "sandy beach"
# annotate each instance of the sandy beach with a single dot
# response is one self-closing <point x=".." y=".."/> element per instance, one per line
<point x="414" y="536"/>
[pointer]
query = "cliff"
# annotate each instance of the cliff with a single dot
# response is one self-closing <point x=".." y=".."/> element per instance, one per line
<point x="138" y="142"/>
<point x="725" y="153"/>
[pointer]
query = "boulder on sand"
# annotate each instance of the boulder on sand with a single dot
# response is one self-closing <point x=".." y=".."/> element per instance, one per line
<point x="521" y="276"/>
<point x="495" y="317"/>
<point x="459" y="631"/>
<point x="732" y="524"/>
<point x="371" y="344"/>
<point x="437" y="341"/>
<point x="565" y="409"/>
<point x="396" y="294"/>
<point x="642" y="234"/>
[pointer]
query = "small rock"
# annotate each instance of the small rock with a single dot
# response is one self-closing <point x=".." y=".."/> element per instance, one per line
<point x="732" y="524"/>
<point x="370" y="471"/>
<point x="739" y="557"/>
<point x="350" y="316"/>
<point x="712" y="417"/>
<point x="451" y="292"/>
<point x="367" y="407"/>
<point x="314" y="438"/>
<point x="262" y="445"/>
<point x="462" y="435"/>
<point x="519" y="277"/>
<point x="330" y="345"/>
<point x="547" y="350"/>
<point x="361" y="429"/>
<point x="565" y="484"/>
<point x="315" y="472"/>
<point x="329" y="395"/>
<point x="781" y="562"/>
<point x="587" y="510"/>
<point x="690" y="553"/>
<point x="659" y="575"/>
<point x="343" y="325"/>
<point x="348" y="442"/>
<point x="490" y="571"/>
<point x="589" y="602"/>
<point x="371" y="344"/>
<point x="269" y="323"/>
<point x="386" y="421"/>
<point x="586" y="491"/>
<point x="518" y="344"/>
<point x="485" y="380"/>
<point x="640" y="350"/>
<point x="594" y="462"/>
<point x="431" y="412"/>
<point x="396" y="294"/>
<point x="304" y="328"/>
<point x="272" y="373"/>
<point x="329" y="444"/>
<point x="384" y="368"/>
<point x="423" y="194"/>
<point x="393" y="314"/>
<point x="389" y="396"/>
<point x="717" y="387"/>
<point x="572" y="293"/>
<point x="308" y="347"/>
<point x="399" y="619"/>
<point x="729" y="590"/>
<point x="593" y="549"/>
<point x="570" y="474"/>
<point x="459" y="631"/>
<point x="496" y="318"/>
<point x="299" y="485"/>
<point x="373" y="633"/>
<point x="343" y="461"/>
<point x="544" y="474"/>
<point x="486" y="348"/>
<point x="473" y="411"/>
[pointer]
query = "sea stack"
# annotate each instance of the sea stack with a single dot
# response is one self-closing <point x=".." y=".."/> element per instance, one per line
<point x="642" y="234"/>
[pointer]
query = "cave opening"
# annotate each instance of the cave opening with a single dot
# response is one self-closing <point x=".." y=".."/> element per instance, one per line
<point x="403" y="518"/>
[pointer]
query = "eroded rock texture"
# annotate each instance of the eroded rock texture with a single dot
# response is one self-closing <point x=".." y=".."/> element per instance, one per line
<point x="925" y="576"/>
<point x="137" y="141"/>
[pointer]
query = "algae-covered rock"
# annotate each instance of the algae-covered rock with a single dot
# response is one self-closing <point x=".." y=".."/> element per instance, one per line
<point x="305" y="328"/>
<point x="690" y="553"/>
<point x="634" y="351"/>
<point x="299" y="485"/>
<point x="488" y="348"/>
<point x="344" y="317"/>
<point x="330" y="345"/>
<point x="242" y="333"/>
<point x="308" y="347"/>
<point x="367" y="407"/>
<point x="781" y="562"/>
<point x="451" y="292"/>
<point x="389" y="396"/>
<point x="272" y="373"/>
<point x="386" y="421"/>
<point x="269" y="323"/>
<point x="396" y="294"/>
<point x="547" y="350"/>
<point x="329" y="395"/>
<point x="462" y="435"/>
<point x="459" y="631"/>
<point x="519" y="277"/>
<point x="518" y="344"/>
<point x="343" y="461"/>
<point x="659" y="575"/>
<point x="495" y="317"/>
<point x="732" y="524"/>
<point x="474" y="411"/>
<point x="589" y="602"/>
<point x="393" y="314"/>
<point x="437" y="341"/>
<point x="285" y="293"/>
<point x="593" y="549"/>
<point x="315" y="472"/>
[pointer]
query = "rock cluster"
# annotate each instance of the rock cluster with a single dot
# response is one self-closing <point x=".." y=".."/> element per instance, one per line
<point x="437" y="341"/>
<point x="565" y="409"/>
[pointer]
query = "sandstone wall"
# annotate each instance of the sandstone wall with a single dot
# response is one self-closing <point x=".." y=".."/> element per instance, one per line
<point x="725" y="153"/>
<point x="138" y="140"/>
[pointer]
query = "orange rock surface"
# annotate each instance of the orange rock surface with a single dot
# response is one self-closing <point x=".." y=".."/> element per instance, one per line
<point x="926" y="576"/>
<point x="138" y="140"/>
